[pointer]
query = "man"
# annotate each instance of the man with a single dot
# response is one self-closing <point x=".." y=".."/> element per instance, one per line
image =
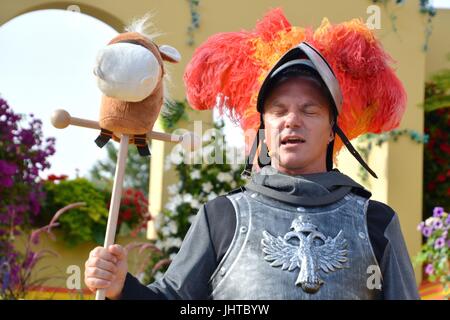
<point x="298" y="230"/>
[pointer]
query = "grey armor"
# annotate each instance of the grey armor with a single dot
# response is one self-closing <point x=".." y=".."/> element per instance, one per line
<point x="280" y="251"/>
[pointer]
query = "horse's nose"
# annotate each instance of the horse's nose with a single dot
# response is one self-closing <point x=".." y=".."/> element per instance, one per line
<point x="127" y="71"/>
<point x="98" y="72"/>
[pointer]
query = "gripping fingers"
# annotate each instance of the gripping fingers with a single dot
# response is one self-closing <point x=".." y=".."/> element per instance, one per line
<point x="103" y="253"/>
<point x="101" y="264"/>
<point x="95" y="283"/>
<point x="99" y="273"/>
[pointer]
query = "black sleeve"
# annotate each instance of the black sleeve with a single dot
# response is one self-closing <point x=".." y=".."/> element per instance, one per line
<point x="379" y="216"/>
<point x="398" y="280"/>
<point x="188" y="275"/>
<point x="221" y="218"/>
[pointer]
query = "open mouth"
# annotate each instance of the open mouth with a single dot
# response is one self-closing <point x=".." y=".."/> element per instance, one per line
<point x="292" y="140"/>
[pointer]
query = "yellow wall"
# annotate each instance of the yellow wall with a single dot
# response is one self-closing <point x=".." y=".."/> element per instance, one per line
<point x="398" y="164"/>
<point x="438" y="55"/>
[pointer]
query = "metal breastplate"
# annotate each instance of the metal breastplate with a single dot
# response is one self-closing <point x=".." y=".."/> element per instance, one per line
<point x="285" y="252"/>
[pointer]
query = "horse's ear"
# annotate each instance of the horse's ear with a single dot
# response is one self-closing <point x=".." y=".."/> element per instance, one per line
<point x="169" y="53"/>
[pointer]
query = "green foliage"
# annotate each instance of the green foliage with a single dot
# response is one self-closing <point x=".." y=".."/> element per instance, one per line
<point x="172" y="112"/>
<point x="198" y="183"/>
<point x="436" y="156"/>
<point x="435" y="251"/>
<point x="87" y="223"/>
<point x="437" y="91"/>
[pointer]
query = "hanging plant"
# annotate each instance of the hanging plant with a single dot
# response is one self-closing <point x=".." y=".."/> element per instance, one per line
<point x="425" y="8"/>
<point x="195" y="21"/>
<point x="367" y="141"/>
<point x="198" y="183"/>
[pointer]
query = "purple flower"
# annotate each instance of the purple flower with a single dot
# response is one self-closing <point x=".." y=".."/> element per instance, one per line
<point x="420" y="226"/>
<point x="438" y="212"/>
<point x="429" y="269"/>
<point x="439" y="243"/>
<point x="438" y="224"/>
<point x="7" y="168"/>
<point x="447" y="221"/>
<point x="426" y="231"/>
<point x="448" y="243"/>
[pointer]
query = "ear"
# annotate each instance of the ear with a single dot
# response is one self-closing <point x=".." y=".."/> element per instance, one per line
<point x="169" y="53"/>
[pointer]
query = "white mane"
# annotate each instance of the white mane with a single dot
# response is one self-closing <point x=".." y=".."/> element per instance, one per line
<point x="144" y="26"/>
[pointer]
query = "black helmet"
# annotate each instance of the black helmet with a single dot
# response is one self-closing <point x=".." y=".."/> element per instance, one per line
<point x="304" y="56"/>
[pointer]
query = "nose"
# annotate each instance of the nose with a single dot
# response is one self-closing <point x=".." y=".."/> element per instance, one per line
<point x="293" y="120"/>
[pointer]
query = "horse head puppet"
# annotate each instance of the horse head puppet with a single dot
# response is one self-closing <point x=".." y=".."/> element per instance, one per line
<point x="130" y="73"/>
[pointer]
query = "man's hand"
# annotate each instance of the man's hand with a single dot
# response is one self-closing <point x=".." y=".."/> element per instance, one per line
<point x="106" y="269"/>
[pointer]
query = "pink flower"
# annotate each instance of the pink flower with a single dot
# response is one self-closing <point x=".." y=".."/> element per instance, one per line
<point x="438" y="212"/>
<point x="426" y="231"/>
<point x="429" y="269"/>
<point x="439" y="243"/>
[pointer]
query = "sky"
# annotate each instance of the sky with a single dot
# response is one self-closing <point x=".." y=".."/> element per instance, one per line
<point x="46" y="63"/>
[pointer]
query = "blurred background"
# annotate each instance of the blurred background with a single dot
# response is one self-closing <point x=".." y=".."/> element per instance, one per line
<point x="47" y="54"/>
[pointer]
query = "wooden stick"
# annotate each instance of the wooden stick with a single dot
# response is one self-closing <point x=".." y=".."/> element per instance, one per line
<point x="62" y="119"/>
<point x="115" y="200"/>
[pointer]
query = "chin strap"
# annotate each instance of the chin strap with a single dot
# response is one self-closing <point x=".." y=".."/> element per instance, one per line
<point x="352" y="150"/>
<point x="263" y="161"/>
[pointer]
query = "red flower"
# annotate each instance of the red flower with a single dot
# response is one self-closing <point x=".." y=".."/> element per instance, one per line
<point x="127" y="215"/>
<point x="53" y="177"/>
<point x="445" y="147"/>
<point x="441" y="177"/>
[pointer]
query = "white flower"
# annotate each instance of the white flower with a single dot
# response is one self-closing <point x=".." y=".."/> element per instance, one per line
<point x="187" y="198"/>
<point x="173" y="227"/>
<point x="170" y="206"/>
<point x="173" y="189"/>
<point x="212" y="196"/>
<point x="165" y="231"/>
<point x="233" y="184"/>
<point x="195" y="203"/>
<point x="172" y="243"/>
<point x="430" y="221"/>
<point x="224" y="177"/>
<point x="195" y="174"/>
<point x="177" y="199"/>
<point x="192" y="218"/>
<point x="176" y="242"/>
<point x="207" y="187"/>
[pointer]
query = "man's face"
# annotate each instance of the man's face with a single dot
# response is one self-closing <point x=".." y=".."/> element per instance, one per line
<point x="297" y="126"/>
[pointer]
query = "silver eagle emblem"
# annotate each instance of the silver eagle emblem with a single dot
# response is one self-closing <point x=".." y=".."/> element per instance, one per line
<point x="313" y="252"/>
